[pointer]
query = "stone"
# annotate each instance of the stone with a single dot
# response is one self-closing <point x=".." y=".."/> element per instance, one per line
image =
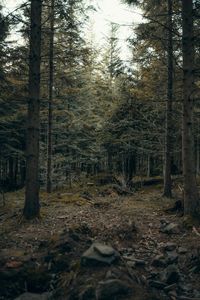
<point x="171" y="228"/>
<point x="104" y="250"/>
<point x="169" y="246"/>
<point x="157" y="284"/>
<point x="172" y="257"/>
<point x="99" y="254"/>
<point x="182" y="250"/>
<point x="159" y="261"/>
<point x="139" y="262"/>
<point x="30" y="296"/>
<point x="109" y="289"/>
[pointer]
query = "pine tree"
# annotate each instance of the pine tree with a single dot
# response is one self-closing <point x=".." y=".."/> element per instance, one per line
<point x="32" y="206"/>
<point x="191" y="196"/>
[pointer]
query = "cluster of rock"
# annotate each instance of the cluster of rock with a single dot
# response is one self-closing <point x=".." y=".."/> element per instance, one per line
<point x="159" y="273"/>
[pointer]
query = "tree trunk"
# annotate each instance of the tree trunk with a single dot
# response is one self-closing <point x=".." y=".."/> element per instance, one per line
<point x="168" y="138"/>
<point x="32" y="207"/>
<point x="148" y="165"/>
<point x="191" y="197"/>
<point x="51" y="72"/>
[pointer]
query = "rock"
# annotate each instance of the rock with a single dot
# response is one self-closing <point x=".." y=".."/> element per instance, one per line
<point x="157" y="284"/>
<point x="159" y="261"/>
<point x="172" y="257"/>
<point x="30" y="296"/>
<point x="99" y="254"/>
<point x="109" y="289"/>
<point x="104" y="250"/>
<point x="171" y="228"/>
<point x="182" y="250"/>
<point x="171" y="274"/>
<point x="139" y="262"/>
<point x="169" y="246"/>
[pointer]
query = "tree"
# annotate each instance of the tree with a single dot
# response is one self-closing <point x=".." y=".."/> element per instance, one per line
<point x="32" y="206"/>
<point x="51" y="73"/>
<point x="168" y="134"/>
<point x="191" y="196"/>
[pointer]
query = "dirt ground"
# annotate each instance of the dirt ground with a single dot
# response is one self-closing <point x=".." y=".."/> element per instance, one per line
<point x="45" y="255"/>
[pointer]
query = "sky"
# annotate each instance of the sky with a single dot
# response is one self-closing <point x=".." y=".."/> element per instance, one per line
<point x="107" y="11"/>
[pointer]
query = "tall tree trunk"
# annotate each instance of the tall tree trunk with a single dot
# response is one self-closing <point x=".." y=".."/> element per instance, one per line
<point x="191" y="197"/>
<point x="168" y="138"/>
<point x="32" y="207"/>
<point x="51" y="73"/>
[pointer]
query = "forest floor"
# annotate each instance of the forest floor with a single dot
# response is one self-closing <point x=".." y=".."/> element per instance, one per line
<point x="157" y="253"/>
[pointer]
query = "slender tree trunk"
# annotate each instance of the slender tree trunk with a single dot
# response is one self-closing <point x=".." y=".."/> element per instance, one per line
<point x="32" y="207"/>
<point x="51" y="72"/>
<point x="168" y="138"/>
<point x="148" y="165"/>
<point x="191" y="197"/>
<point x="11" y="173"/>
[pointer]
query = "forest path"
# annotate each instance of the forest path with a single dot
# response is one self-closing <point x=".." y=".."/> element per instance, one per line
<point x="45" y="256"/>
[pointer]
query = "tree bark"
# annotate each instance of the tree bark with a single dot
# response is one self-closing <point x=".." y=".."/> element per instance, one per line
<point x="32" y="207"/>
<point x="191" y="196"/>
<point x="51" y="73"/>
<point x="168" y="138"/>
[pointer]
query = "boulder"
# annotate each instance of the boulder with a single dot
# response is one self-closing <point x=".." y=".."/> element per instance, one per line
<point x="99" y="254"/>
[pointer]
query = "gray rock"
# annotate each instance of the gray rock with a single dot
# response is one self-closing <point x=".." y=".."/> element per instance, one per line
<point x="99" y="254"/>
<point x="169" y="246"/>
<point x="30" y="296"/>
<point x="171" y="228"/>
<point x="104" y="250"/>
<point x="109" y="289"/>
<point x="139" y="262"/>
<point x="172" y="257"/>
<point x="182" y="250"/>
